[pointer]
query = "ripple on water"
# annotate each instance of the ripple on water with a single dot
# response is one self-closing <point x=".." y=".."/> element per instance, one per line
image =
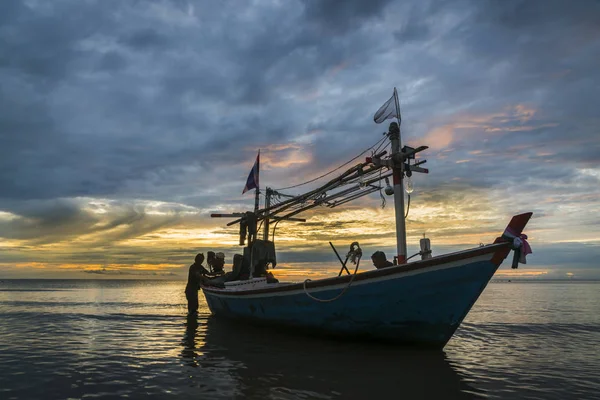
<point x="128" y="340"/>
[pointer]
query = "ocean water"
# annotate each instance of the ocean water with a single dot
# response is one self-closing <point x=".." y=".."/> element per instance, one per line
<point x="130" y="339"/>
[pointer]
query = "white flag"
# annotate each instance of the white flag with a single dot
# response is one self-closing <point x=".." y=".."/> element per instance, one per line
<point x="390" y="109"/>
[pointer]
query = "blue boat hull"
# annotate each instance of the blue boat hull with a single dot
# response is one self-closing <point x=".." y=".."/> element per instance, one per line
<point x="423" y="302"/>
<point x="422" y="307"/>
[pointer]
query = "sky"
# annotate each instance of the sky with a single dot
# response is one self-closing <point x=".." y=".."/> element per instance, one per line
<point x="124" y="124"/>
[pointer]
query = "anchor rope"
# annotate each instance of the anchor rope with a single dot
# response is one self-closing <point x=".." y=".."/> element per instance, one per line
<point x="354" y="255"/>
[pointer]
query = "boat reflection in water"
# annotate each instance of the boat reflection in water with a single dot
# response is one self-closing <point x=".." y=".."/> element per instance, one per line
<point x="238" y="360"/>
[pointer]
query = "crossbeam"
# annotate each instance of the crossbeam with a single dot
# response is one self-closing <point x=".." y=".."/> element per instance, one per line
<point x="339" y="194"/>
<point x="412" y="168"/>
<point x="409" y="152"/>
<point x="289" y="219"/>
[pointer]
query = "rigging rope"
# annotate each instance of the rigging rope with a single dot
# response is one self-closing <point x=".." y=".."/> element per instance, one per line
<point x="383" y="201"/>
<point x="333" y="170"/>
<point x="378" y="147"/>
<point x="274" y="229"/>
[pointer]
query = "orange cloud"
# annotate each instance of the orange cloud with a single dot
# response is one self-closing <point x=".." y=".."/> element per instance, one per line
<point x="511" y="119"/>
<point x="513" y="273"/>
<point x="524" y="113"/>
<point x="440" y="138"/>
<point x="280" y="147"/>
<point x="294" y="157"/>
<point x="283" y="155"/>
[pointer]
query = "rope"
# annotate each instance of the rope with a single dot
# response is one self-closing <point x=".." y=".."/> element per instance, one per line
<point x="339" y="295"/>
<point x="383" y="201"/>
<point x="407" y="207"/>
<point x="355" y="254"/>
<point x="260" y="226"/>
<point x="275" y="228"/>
<point x="333" y="170"/>
<point x="379" y="147"/>
<point x="419" y="254"/>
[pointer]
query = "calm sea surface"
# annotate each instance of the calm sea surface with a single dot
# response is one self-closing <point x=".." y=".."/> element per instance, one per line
<point x="130" y="339"/>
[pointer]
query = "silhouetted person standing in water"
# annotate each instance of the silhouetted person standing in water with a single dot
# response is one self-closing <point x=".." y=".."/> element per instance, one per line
<point x="193" y="284"/>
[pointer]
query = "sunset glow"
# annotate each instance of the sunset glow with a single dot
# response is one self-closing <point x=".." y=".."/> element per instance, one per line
<point x="117" y="146"/>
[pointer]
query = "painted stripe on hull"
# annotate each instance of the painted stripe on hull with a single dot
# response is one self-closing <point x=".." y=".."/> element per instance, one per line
<point x="424" y="307"/>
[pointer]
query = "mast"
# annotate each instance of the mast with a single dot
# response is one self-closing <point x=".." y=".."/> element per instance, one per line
<point x="394" y="135"/>
<point x="268" y="193"/>
<point x="257" y="192"/>
<point x="355" y="182"/>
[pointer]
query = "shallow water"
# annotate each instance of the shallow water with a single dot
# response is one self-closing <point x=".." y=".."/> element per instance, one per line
<point x="131" y="339"/>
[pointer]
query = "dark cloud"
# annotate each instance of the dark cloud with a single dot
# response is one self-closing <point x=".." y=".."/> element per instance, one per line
<point x="412" y="32"/>
<point x="169" y="100"/>
<point x="42" y="42"/>
<point x="112" y="62"/>
<point x="146" y="39"/>
<point x="340" y="16"/>
<point x="101" y="133"/>
<point x="57" y="220"/>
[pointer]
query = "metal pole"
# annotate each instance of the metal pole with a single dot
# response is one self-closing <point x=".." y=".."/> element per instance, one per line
<point x="398" y="187"/>
<point x="340" y="258"/>
<point x="268" y="194"/>
<point x="256" y="198"/>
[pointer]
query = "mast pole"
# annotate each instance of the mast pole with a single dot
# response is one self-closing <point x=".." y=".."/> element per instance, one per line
<point x="268" y="193"/>
<point x="256" y="200"/>
<point x="395" y="138"/>
<point x="257" y="193"/>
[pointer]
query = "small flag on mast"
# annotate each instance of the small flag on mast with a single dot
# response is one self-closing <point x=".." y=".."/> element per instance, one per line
<point x="252" y="182"/>
<point x="390" y="109"/>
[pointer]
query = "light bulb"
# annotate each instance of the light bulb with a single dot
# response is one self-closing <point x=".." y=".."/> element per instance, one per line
<point x="408" y="185"/>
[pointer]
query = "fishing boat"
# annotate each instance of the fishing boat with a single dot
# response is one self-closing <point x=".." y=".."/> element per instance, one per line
<point x="421" y="302"/>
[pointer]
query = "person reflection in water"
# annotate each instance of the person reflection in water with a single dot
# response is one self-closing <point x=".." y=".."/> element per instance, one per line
<point x="193" y="284"/>
<point x="189" y="342"/>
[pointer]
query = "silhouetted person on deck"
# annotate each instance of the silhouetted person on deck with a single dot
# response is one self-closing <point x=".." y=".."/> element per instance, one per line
<point x="380" y="261"/>
<point x="210" y="260"/>
<point x="216" y="262"/>
<point x="219" y="263"/>
<point x="193" y="284"/>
